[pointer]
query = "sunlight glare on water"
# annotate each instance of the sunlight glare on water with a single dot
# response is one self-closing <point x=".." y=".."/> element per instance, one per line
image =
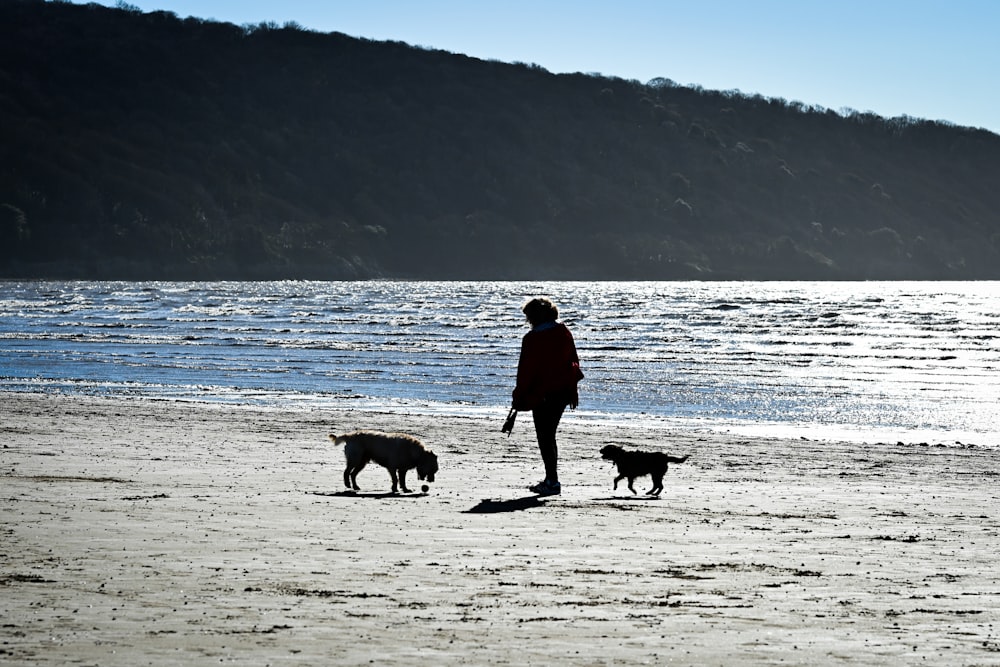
<point x="907" y="361"/>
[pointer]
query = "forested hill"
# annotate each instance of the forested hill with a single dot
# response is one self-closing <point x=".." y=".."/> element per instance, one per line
<point x="143" y="146"/>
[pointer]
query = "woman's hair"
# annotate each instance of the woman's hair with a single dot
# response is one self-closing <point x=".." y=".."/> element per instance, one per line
<point x="540" y="310"/>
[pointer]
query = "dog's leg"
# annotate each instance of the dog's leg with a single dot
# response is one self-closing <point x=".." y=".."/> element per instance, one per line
<point x="618" y="479"/>
<point x="402" y="480"/>
<point x="630" y="487"/>
<point x="354" y="475"/>
<point x="657" y="486"/>
<point x="347" y="476"/>
<point x="395" y="483"/>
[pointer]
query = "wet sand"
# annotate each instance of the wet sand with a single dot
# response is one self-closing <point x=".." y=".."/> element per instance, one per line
<point x="142" y="532"/>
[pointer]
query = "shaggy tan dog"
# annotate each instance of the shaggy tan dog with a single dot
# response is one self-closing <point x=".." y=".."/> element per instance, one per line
<point x="397" y="452"/>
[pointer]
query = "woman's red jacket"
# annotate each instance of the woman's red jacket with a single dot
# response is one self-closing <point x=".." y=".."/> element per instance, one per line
<point x="548" y="366"/>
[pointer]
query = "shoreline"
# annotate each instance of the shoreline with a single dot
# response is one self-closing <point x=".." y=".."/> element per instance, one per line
<point x="170" y="533"/>
<point x="640" y="420"/>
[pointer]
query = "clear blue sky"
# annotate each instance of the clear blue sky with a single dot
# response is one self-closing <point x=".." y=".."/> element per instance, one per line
<point x="932" y="59"/>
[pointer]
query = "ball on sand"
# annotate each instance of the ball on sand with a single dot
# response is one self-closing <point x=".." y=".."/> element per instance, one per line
<point x="425" y="488"/>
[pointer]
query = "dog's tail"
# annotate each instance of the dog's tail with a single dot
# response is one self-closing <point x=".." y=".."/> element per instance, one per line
<point x="678" y="459"/>
<point x="334" y="438"/>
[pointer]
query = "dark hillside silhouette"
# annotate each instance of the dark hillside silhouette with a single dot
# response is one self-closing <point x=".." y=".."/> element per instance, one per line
<point x="142" y="146"/>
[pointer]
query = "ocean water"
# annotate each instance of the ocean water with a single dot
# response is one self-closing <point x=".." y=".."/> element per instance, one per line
<point x="865" y="361"/>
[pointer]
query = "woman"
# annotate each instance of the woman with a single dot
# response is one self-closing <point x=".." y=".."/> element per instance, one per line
<point x="547" y="373"/>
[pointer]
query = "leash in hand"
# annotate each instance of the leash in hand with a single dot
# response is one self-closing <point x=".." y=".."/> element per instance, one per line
<point x="508" y="424"/>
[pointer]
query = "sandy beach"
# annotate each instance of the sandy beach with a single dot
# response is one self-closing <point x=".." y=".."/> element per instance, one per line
<point x="140" y="532"/>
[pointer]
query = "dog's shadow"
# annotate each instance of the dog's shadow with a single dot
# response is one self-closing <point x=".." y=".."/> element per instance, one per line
<point x="380" y="496"/>
<point x="490" y="506"/>
<point x="618" y="499"/>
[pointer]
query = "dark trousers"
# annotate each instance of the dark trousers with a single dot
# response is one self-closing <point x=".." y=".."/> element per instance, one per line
<point x="546" y="417"/>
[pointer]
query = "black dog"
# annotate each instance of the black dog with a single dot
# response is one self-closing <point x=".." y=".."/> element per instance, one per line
<point x="638" y="464"/>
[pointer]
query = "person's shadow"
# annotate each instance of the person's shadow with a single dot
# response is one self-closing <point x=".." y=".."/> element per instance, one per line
<point x="490" y="506"/>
